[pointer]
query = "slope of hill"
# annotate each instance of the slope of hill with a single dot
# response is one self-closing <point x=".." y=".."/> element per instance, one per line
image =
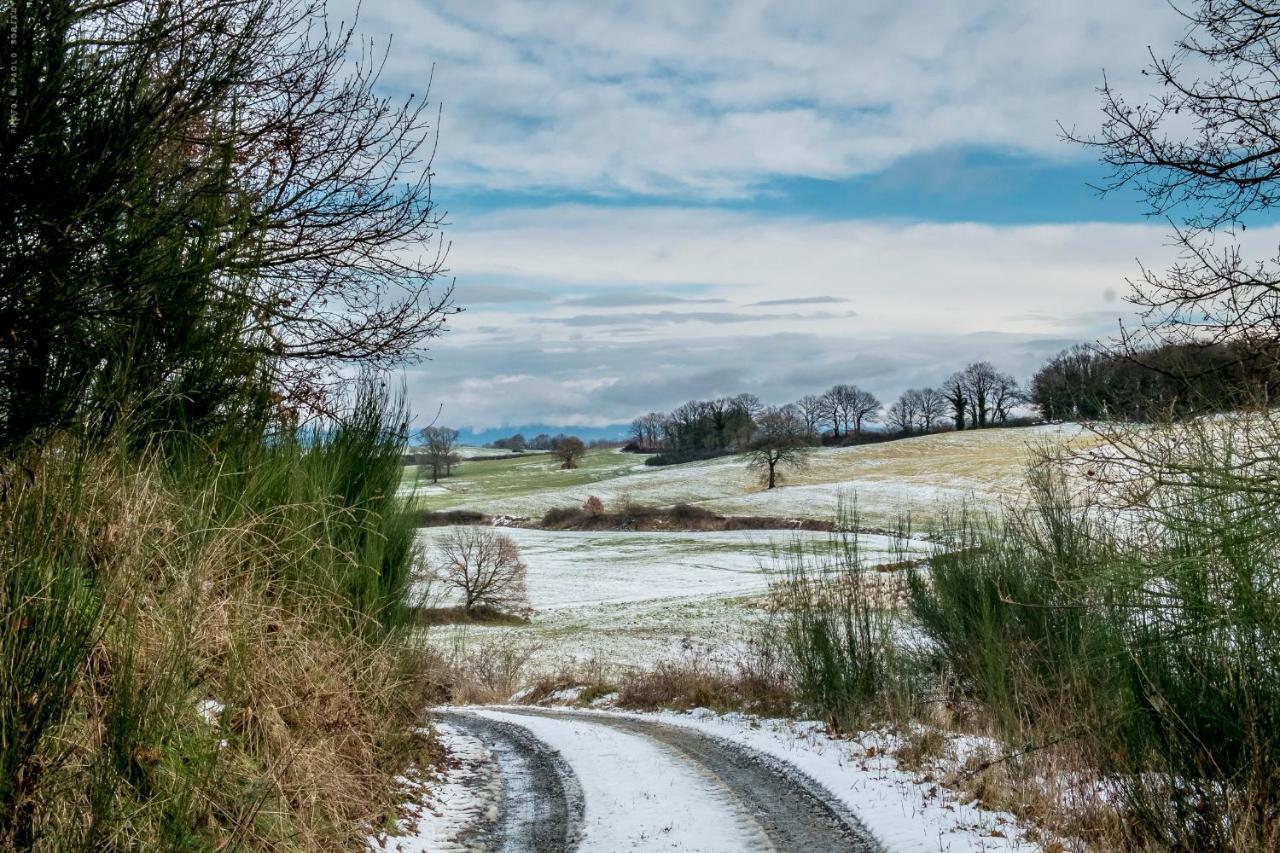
<point x="916" y="475"/>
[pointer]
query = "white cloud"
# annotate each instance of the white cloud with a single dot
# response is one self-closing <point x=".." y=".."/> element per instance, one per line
<point x="925" y="298"/>
<point x="714" y="98"/>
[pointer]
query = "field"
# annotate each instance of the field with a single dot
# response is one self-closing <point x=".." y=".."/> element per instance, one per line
<point x="916" y="476"/>
<point x="631" y="599"/>
<point x="626" y="599"/>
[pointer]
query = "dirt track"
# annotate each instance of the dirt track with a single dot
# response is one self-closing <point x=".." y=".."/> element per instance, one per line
<point x="752" y="802"/>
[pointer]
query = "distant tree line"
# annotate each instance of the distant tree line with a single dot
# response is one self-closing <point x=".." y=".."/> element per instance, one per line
<point x="1169" y="379"/>
<point x="1081" y="383"/>
<point x="519" y="444"/>
<point x="975" y="397"/>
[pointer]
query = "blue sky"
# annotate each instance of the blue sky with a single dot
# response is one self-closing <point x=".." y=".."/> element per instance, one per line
<point x="652" y="202"/>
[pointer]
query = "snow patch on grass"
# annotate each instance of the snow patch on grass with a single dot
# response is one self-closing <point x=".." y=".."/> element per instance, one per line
<point x="450" y="802"/>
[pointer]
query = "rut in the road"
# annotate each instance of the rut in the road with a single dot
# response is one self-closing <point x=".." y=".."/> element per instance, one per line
<point x="791" y="811"/>
<point x="541" y="808"/>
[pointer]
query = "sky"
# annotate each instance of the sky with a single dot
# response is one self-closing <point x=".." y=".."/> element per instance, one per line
<point x="652" y="202"/>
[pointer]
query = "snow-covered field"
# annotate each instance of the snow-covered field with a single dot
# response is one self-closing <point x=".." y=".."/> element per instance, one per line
<point x="630" y="599"/>
<point x="467" y="451"/>
<point x="916" y="476"/>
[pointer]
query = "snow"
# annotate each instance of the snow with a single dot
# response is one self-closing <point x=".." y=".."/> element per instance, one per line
<point x="905" y="814"/>
<point x="460" y="794"/>
<point x="467" y="451"/>
<point x="577" y="569"/>
<point x="636" y="599"/>
<point x="917" y="475"/>
<point x="639" y="797"/>
<point x="210" y="710"/>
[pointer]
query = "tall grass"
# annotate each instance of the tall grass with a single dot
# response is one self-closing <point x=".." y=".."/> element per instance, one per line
<point x="202" y="644"/>
<point x="837" y="630"/>
<point x="1148" y="637"/>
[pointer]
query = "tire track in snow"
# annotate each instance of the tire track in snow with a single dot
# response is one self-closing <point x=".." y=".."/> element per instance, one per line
<point x="541" y="805"/>
<point x="650" y="786"/>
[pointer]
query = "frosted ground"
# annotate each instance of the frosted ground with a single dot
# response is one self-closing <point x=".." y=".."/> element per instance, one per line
<point x="642" y="798"/>
<point x="628" y="600"/>
<point x="916" y="476"/>
<point x="631" y="599"/>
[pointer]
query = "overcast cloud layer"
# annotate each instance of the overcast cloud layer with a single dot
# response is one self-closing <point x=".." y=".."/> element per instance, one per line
<point x="634" y="213"/>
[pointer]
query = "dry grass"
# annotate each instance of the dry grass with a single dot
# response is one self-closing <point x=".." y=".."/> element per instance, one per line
<point x="213" y="709"/>
<point x="684" y="687"/>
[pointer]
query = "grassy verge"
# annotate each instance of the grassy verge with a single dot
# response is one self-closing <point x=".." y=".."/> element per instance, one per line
<point x="203" y="647"/>
<point x="1124" y="653"/>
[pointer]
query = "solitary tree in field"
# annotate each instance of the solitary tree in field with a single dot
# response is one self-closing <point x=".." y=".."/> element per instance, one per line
<point x="780" y="441"/>
<point x="484" y="568"/>
<point x="569" y="450"/>
<point x="439" y="444"/>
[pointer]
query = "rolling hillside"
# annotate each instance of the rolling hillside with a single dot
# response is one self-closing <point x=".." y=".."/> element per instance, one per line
<point x="916" y="475"/>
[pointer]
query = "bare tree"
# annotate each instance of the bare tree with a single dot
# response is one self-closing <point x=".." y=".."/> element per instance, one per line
<point x="569" y="450"/>
<point x="251" y="136"/>
<point x="1204" y="152"/>
<point x="833" y="408"/>
<point x="484" y="568"/>
<point x="1005" y="394"/>
<point x="956" y="392"/>
<point x="932" y="408"/>
<point x="979" y="380"/>
<point x="647" y="430"/>
<point x="901" y="416"/>
<point x="811" y="408"/>
<point x="780" y="441"/>
<point x="439" y="444"/>
<point x="748" y="403"/>
<point x="861" y="407"/>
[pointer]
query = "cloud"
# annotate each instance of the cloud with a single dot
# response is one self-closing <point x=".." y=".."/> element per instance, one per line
<point x="654" y="116"/>
<point x="924" y="277"/>
<point x="599" y="383"/>
<point x="615" y="299"/>
<point x="658" y="318"/>
<point x="715" y="99"/>
<point x="802" y="300"/>
<point x="930" y="298"/>
<point x="492" y="294"/>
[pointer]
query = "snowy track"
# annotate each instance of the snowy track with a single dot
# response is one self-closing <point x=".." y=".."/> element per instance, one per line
<point x="601" y="782"/>
<point x="541" y="805"/>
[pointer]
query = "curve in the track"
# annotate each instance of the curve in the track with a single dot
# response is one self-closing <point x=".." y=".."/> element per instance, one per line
<point x="772" y="805"/>
<point x="542" y="804"/>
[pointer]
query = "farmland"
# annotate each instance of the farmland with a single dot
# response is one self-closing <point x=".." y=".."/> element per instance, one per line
<point x="917" y="477"/>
